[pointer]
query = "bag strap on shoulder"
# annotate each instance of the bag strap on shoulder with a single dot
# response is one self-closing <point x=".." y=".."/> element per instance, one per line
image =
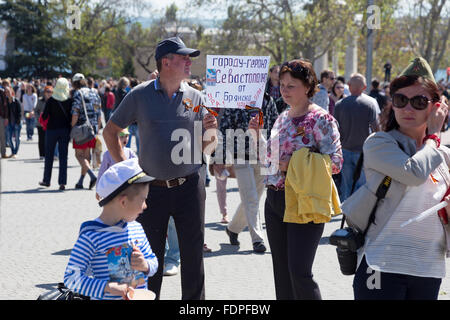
<point x="84" y="108"/>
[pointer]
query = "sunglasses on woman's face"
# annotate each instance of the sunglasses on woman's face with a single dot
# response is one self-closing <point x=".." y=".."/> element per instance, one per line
<point x="417" y="102"/>
<point x="295" y="67"/>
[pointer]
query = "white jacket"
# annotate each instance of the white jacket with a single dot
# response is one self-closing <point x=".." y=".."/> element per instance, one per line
<point x="383" y="157"/>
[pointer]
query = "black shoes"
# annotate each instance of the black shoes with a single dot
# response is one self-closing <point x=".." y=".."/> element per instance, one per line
<point x="233" y="237"/>
<point x="78" y="186"/>
<point x="62" y="187"/>
<point x="259" y="247"/>
<point x="44" y="184"/>
<point x="92" y="183"/>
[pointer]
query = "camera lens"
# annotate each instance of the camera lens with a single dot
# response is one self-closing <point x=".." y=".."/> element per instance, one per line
<point x="347" y="261"/>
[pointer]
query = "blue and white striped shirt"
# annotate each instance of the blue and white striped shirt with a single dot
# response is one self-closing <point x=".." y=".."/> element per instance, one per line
<point x="102" y="254"/>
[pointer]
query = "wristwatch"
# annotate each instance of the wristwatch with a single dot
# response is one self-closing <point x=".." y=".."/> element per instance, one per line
<point x="433" y="137"/>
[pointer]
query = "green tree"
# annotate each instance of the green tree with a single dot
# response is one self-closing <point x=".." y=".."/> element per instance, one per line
<point x="428" y="29"/>
<point x="38" y="50"/>
<point x="286" y="28"/>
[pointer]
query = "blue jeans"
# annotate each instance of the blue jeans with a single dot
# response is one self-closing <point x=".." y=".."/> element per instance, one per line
<point x="133" y="129"/>
<point x="14" y="130"/>
<point x="31" y="123"/>
<point x="172" y="254"/>
<point x="60" y="137"/>
<point x="348" y="169"/>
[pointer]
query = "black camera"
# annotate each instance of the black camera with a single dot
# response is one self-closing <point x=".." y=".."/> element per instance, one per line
<point x="348" y="241"/>
<point x="347" y="238"/>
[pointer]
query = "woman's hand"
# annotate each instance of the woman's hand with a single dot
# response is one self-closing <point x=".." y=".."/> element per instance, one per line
<point x="447" y="208"/>
<point x="254" y="123"/>
<point x="437" y="117"/>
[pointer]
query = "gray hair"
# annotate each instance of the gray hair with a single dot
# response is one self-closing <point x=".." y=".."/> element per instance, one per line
<point x="123" y="83"/>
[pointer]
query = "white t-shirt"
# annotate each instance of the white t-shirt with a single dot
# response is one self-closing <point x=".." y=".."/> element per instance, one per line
<point x="418" y="249"/>
<point x="29" y="102"/>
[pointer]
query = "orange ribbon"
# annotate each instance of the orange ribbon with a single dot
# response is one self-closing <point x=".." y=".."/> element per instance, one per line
<point x="260" y="113"/>
<point x="188" y="105"/>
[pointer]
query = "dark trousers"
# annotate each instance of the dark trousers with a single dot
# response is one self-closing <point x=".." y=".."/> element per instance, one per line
<point x="41" y="141"/>
<point x="31" y="123"/>
<point x="186" y="204"/>
<point x="393" y="286"/>
<point x="62" y="137"/>
<point x="293" y="248"/>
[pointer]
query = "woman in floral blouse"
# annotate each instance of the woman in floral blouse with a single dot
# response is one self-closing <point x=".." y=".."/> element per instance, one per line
<point x="304" y="124"/>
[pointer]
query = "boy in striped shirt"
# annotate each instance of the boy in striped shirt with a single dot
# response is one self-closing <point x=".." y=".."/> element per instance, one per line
<point x="112" y="255"/>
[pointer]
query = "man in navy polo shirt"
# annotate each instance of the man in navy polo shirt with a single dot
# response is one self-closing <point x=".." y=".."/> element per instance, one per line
<point x="171" y="148"/>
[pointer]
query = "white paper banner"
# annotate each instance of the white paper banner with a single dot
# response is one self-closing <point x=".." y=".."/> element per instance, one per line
<point x="235" y="81"/>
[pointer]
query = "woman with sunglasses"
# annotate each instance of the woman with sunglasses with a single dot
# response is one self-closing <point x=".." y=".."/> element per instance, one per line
<point x="303" y="125"/>
<point x="406" y="263"/>
<point x="336" y="94"/>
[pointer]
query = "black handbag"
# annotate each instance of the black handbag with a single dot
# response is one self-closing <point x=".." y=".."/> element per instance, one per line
<point x="348" y="240"/>
<point x="62" y="293"/>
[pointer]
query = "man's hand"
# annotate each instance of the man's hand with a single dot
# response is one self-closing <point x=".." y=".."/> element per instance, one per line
<point x="209" y="143"/>
<point x="111" y="137"/>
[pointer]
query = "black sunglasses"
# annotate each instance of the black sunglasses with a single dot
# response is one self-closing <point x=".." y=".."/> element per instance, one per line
<point x="295" y="67"/>
<point x="417" y="102"/>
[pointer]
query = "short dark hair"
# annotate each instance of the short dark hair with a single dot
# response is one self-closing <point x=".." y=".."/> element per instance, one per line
<point x="375" y="83"/>
<point x="303" y="70"/>
<point x="133" y="82"/>
<point x="159" y="61"/>
<point x="325" y="74"/>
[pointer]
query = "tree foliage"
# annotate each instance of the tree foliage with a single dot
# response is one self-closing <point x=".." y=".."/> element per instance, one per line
<point x="37" y="51"/>
<point x="307" y="28"/>
<point x="108" y="42"/>
<point x="427" y="27"/>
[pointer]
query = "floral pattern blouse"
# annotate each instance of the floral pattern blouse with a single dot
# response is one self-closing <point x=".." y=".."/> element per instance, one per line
<point x="317" y="130"/>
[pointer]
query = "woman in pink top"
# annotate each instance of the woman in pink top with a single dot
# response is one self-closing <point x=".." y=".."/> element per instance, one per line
<point x="303" y="125"/>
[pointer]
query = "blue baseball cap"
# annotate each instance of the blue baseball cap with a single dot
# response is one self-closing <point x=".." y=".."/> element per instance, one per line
<point x="174" y="45"/>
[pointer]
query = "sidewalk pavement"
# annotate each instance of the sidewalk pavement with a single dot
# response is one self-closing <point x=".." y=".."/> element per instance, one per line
<point x="38" y="227"/>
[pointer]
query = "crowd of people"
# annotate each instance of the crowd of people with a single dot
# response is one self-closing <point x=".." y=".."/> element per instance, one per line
<point x="318" y="130"/>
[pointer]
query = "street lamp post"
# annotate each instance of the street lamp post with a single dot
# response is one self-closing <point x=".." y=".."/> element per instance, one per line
<point x="369" y="50"/>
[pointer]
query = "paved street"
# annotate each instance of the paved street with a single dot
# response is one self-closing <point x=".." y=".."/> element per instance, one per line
<point x="38" y="227"/>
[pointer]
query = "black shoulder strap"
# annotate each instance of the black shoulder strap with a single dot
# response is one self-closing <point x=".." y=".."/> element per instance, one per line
<point x="381" y="191"/>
